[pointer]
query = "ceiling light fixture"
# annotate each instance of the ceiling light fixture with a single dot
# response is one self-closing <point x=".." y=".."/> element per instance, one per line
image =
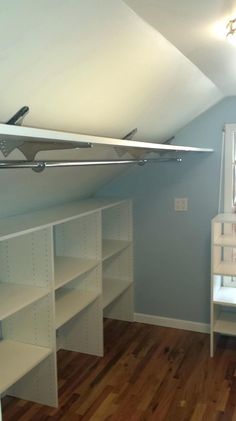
<point x="231" y="31"/>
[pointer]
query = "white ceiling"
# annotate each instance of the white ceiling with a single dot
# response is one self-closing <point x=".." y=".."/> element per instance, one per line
<point x="197" y="29"/>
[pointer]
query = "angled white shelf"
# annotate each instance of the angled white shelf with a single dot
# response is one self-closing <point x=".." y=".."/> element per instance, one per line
<point x="14" y="297"/>
<point x="69" y="268"/>
<point x="70" y="302"/>
<point x="17" y="359"/>
<point x="225" y="268"/>
<point x="112" y="247"/>
<point x="112" y="289"/>
<point x="21" y="133"/>
<point x="225" y="296"/>
<point x="225" y="323"/>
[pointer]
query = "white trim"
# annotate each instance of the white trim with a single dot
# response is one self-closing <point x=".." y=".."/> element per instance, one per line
<point x="230" y="130"/>
<point x="174" y="323"/>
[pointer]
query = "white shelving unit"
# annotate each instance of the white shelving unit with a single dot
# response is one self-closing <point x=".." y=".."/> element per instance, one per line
<point x="223" y="275"/>
<point x="61" y="269"/>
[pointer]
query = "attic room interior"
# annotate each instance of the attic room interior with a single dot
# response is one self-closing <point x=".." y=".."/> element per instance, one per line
<point x="117" y="212"/>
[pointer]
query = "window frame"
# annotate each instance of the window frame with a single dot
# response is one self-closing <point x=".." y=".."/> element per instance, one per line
<point x="229" y="168"/>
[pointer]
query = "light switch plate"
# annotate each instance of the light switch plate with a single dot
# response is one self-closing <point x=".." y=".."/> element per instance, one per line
<point x="181" y="204"/>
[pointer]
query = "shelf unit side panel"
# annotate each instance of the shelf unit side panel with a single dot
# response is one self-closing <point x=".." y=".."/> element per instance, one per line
<point x="217" y="257"/>
<point x="120" y="266"/>
<point x="79" y="237"/>
<point x="27" y="259"/>
<point x="117" y="222"/>
<point x="90" y="281"/>
<point x="212" y="342"/>
<point x="33" y="325"/>
<point x="84" y="333"/>
<point x="123" y="307"/>
<point x="39" y="385"/>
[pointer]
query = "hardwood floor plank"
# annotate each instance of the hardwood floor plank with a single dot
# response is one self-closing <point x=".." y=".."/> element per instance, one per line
<point x="148" y="373"/>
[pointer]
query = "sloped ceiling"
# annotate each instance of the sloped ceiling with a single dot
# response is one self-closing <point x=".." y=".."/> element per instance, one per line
<point x="95" y="67"/>
<point x="198" y="30"/>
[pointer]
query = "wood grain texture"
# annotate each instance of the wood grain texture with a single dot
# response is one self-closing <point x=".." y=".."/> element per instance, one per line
<point x="147" y="373"/>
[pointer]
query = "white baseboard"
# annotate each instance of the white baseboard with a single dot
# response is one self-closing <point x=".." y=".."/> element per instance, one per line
<point x="175" y="323"/>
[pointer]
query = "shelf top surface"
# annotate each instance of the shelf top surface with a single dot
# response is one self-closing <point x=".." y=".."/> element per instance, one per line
<point x="113" y="288"/>
<point x="112" y="247"/>
<point x="225" y="240"/>
<point x="14" y="297"/>
<point x="69" y="268"/>
<point x="28" y="222"/>
<point x="11" y="132"/>
<point x="70" y="302"/>
<point x="17" y="359"/>
<point x="225" y="217"/>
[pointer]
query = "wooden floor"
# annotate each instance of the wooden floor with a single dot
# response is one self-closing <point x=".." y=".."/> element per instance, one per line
<point x="148" y="373"/>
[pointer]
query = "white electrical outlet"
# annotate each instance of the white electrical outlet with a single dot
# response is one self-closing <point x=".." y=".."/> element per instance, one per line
<point x="181" y="204"/>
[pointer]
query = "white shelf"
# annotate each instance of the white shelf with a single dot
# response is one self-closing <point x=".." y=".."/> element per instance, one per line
<point x="23" y="224"/>
<point x="112" y="289"/>
<point x="14" y="132"/>
<point x="112" y="247"/>
<point x="69" y="268"/>
<point x="70" y="302"/>
<point x="17" y="359"/>
<point x="226" y="323"/>
<point x="225" y="241"/>
<point x="14" y="297"/>
<point x="225" y="296"/>
<point x="225" y="218"/>
<point x="225" y="269"/>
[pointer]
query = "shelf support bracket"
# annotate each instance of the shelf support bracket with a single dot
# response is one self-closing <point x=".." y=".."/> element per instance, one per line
<point x="30" y="148"/>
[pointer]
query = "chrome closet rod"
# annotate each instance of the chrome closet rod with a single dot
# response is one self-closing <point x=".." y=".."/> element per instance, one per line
<point x="41" y="165"/>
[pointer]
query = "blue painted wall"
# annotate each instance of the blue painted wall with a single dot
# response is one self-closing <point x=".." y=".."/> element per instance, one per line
<point x="172" y="249"/>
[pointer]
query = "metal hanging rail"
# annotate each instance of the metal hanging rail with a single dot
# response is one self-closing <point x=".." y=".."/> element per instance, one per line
<point x="39" y="166"/>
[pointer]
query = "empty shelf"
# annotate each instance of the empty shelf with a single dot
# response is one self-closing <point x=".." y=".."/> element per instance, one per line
<point x="69" y="268"/>
<point x="111" y="247"/>
<point x="225" y="241"/>
<point x="14" y="297"/>
<point x="225" y="268"/>
<point x="70" y="302"/>
<point x="17" y="359"/>
<point x="26" y="223"/>
<point x="226" y="323"/>
<point x="225" y="296"/>
<point x="112" y="288"/>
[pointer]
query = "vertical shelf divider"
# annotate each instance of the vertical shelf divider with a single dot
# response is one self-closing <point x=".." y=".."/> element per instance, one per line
<point x="81" y="238"/>
<point x="117" y="226"/>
